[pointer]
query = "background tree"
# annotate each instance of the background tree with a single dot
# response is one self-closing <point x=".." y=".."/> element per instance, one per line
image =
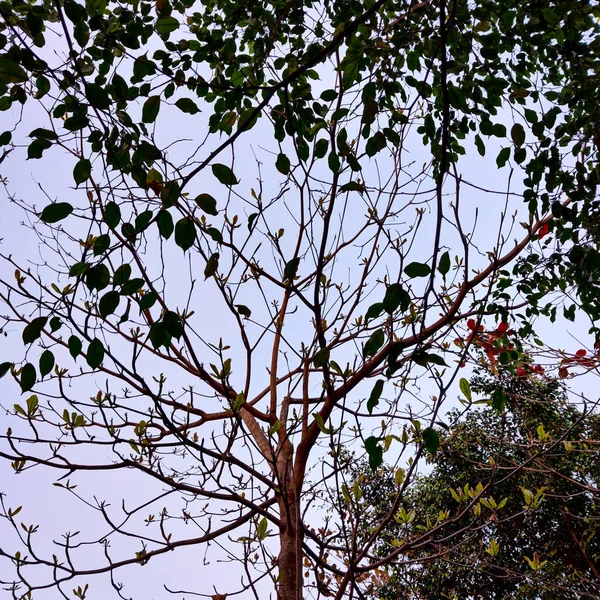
<point x="272" y="243"/>
<point x="516" y="491"/>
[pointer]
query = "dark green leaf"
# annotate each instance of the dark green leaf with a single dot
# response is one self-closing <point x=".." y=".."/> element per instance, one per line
<point x="187" y="105"/>
<point x="517" y="133"/>
<point x="132" y="286"/>
<point x="148" y="300"/>
<point x="5" y="368"/>
<point x="28" y="377"/>
<point x="173" y="324"/>
<point x="33" y="330"/>
<point x="158" y="334"/>
<point x="95" y="353"/>
<point x="102" y="244"/>
<point x="165" y="26"/>
<point x="215" y="234"/>
<point x="46" y="363"/>
<point x="74" y="344"/>
<point x="282" y="163"/>
<point x="499" y="399"/>
<point x="416" y="269"/>
<point x="243" y="310"/>
<point x="374" y="311"/>
<point x="374" y="343"/>
<point x="55" y="324"/>
<point x="46" y="134"/>
<point x="395" y="296"/>
<point x="375" y="144"/>
<point x="112" y="214"/>
<point x="185" y="233"/>
<point x="212" y="264"/>
<point x="5" y="138"/>
<point x="150" y="109"/>
<point x="333" y="161"/>
<point x="290" y="269"/>
<point x="143" y="220"/>
<point x="375" y="452"/>
<point x="164" y="220"/>
<point x="431" y="440"/>
<point x="109" y="303"/>
<point x="444" y="264"/>
<point x="11" y="72"/>
<point x="321" y="358"/>
<point x="375" y="395"/>
<point x="170" y="194"/>
<point x="503" y="157"/>
<point x="122" y="274"/>
<point x="208" y="204"/>
<point x="37" y="147"/>
<point x="82" y="171"/>
<point x="224" y="174"/>
<point x="97" y="278"/>
<point x="78" y="269"/>
<point x="57" y="211"/>
<point x="97" y="95"/>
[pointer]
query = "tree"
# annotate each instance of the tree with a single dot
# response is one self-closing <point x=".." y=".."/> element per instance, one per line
<point x="513" y="496"/>
<point x="273" y="240"/>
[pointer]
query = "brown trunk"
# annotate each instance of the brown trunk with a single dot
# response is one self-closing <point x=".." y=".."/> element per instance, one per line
<point x="289" y="583"/>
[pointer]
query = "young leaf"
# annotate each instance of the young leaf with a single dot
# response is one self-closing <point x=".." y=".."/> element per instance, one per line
<point x="465" y="388"/>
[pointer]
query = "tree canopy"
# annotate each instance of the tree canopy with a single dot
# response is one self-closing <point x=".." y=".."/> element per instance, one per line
<point x="265" y="235"/>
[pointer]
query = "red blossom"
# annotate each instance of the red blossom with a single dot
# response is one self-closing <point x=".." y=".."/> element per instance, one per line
<point x="543" y="230"/>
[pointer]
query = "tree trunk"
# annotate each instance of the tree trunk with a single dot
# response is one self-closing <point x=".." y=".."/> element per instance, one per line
<point x="289" y="584"/>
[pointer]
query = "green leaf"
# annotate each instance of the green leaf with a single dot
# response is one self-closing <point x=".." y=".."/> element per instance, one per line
<point x="215" y="234"/>
<point x="102" y="244"/>
<point x="374" y="311"/>
<point x="375" y="144"/>
<point x="5" y="138"/>
<point x="33" y="330"/>
<point x="185" y="233"/>
<point x="499" y="399"/>
<point x="208" y="204"/>
<point x="243" y="310"/>
<point x="170" y="194"/>
<point x="375" y="452"/>
<point x="165" y="26"/>
<point x="444" y="264"/>
<point x="97" y="278"/>
<point x="374" y="343"/>
<point x="57" y="211"/>
<point x="5" y="368"/>
<point x="158" y="334"/>
<point x="261" y="530"/>
<point x="112" y="214"/>
<point x="416" y="269"/>
<point x="503" y="157"/>
<point x="46" y="362"/>
<point x="47" y="134"/>
<point x="132" y="286"/>
<point x="55" y="324"/>
<point x="321" y="358"/>
<point x="173" y="324"/>
<point x="187" y="105"/>
<point x="465" y="388"/>
<point x="95" y="353"/>
<point x="150" y="109"/>
<point x="147" y="300"/>
<point x="282" y="163"/>
<point x="97" y="95"/>
<point x="122" y="274"/>
<point x="375" y="395"/>
<point x="143" y="220"/>
<point x="164" y="221"/>
<point x="82" y="171"/>
<point x="431" y="440"/>
<point x="11" y="72"/>
<point x="109" y="303"/>
<point x="28" y="377"/>
<point x="480" y="145"/>
<point x="37" y="147"/>
<point x="291" y="269"/>
<point x="212" y="264"/>
<point x="395" y="296"/>
<point x="517" y="133"/>
<point x="224" y="174"/>
<point x="74" y="345"/>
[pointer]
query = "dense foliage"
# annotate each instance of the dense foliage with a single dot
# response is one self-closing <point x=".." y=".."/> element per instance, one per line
<point x="260" y="235"/>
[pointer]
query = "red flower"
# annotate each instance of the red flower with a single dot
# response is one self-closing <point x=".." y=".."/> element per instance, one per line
<point x="543" y="230"/>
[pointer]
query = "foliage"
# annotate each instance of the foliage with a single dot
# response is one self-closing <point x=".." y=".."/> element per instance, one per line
<point x="509" y="508"/>
<point x="266" y="238"/>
